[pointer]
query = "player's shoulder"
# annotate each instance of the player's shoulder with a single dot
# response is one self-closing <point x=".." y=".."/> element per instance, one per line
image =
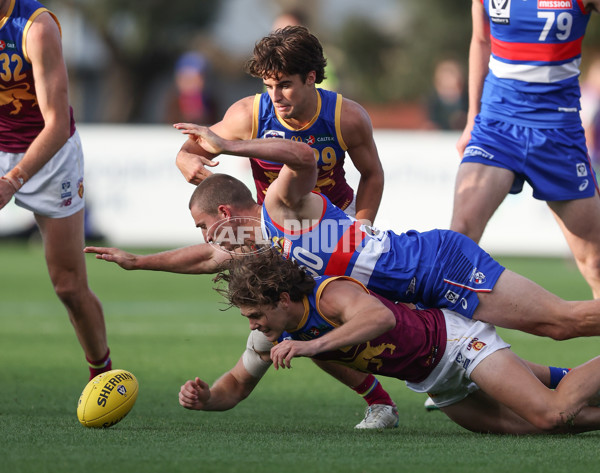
<point x="355" y="121"/>
<point x="244" y="105"/>
<point x="354" y="113"/>
<point x="237" y="121"/>
<point x="329" y="289"/>
<point x="45" y="22"/>
<point x="43" y="36"/>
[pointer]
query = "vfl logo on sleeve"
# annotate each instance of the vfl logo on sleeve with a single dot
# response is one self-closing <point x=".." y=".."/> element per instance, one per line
<point x="500" y="11"/>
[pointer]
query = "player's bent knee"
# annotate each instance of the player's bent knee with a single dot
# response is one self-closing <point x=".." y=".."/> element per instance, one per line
<point x="72" y="294"/>
<point x="548" y="422"/>
<point x="570" y="323"/>
<point x="584" y="321"/>
<point x="560" y="332"/>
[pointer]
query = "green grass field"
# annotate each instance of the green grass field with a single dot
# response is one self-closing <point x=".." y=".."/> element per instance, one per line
<point x="168" y="328"/>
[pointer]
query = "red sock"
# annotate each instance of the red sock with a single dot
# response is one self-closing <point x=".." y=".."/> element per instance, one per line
<point x="372" y="392"/>
<point x="99" y="366"/>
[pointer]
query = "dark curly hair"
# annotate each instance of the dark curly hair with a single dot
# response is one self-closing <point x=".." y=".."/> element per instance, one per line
<point x="260" y="279"/>
<point x="288" y="51"/>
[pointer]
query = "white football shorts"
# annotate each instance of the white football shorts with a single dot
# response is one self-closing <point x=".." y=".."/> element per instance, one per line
<point x="468" y="343"/>
<point x="56" y="190"/>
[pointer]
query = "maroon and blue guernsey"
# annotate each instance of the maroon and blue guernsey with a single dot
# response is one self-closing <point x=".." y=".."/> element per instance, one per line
<point x="322" y="134"/>
<point x="410" y="351"/>
<point x="20" y="117"/>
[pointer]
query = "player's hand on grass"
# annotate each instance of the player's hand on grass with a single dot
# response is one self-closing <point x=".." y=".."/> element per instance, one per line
<point x="206" y="138"/>
<point x="114" y="255"/>
<point x="194" y="394"/>
<point x="282" y="353"/>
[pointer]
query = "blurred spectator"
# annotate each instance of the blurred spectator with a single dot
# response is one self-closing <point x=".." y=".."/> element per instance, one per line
<point x="448" y="103"/>
<point x="590" y="110"/>
<point x="296" y="17"/>
<point x="190" y="101"/>
<point x="292" y="17"/>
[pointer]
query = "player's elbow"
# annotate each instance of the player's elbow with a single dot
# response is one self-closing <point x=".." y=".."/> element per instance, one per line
<point x="386" y="320"/>
<point x="57" y="123"/>
<point x="305" y="156"/>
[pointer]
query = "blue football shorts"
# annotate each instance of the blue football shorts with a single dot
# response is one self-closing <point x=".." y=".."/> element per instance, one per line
<point x="553" y="162"/>
<point x="458" y="273"/>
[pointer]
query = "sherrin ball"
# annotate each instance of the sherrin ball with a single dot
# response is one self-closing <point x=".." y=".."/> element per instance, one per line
<point x="107" y="399"/>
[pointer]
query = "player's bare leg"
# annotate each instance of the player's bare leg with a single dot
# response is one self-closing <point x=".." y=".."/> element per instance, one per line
<point x="514" y="401"/>
<point x="478" y="192"/>
<point x="518" y="303"/>
<point x="63" y="240"/>
<point x="579" y="221"/>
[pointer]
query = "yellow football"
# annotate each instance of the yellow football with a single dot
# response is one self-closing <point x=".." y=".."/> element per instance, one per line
<point x="107" y="398"/>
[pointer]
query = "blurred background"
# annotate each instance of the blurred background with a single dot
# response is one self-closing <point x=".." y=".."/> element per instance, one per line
<point x="137" y="67"/>
<point x="122" y="56"/>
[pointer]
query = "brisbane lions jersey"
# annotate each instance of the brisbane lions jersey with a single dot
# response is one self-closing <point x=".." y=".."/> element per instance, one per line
<point x="409" y="351"/>
<point x="322" y="134"/>
<point x="20" y="118"/>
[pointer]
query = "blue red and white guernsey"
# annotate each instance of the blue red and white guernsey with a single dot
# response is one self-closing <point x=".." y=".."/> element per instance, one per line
<point x="20" y="118"/>
<point x="534" y="65"/>
<point x="438" y="268"/>
<point x="410" y="351"/>
<point x="322" y="134"/>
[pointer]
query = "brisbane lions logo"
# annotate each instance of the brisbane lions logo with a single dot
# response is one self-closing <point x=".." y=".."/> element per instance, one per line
<point x="13" y="95"/>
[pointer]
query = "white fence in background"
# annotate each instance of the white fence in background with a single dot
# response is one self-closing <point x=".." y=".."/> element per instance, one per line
<point x="137" y="196"/>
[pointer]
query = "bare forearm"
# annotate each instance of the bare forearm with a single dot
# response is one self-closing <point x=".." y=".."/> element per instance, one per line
<point x="360" y="329"/>
<point x="196" y="259"/>
<point x="478" y="69"/>
<point x="43" y="148"/>
<point x="479" y="56"/>
<point x="368" y="197"/>
<point x="293" y="154"/>
<point x="226" y="393"/>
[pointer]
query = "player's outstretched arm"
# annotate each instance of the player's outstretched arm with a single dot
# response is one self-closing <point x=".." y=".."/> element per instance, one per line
<point x="226" y="392"/>
<point x="196" y="259"/>
<point x="290" y="153"/>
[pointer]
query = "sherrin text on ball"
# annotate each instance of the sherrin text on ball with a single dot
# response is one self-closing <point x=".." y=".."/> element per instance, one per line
<point x="107" y="398"/>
